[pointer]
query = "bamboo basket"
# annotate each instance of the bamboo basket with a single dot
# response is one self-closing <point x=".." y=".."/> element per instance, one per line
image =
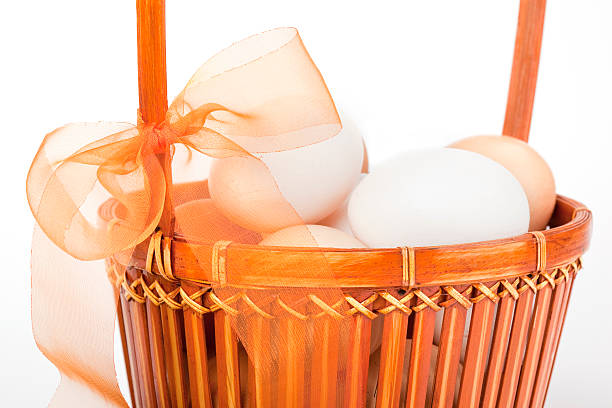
<point x="181" y="352"/>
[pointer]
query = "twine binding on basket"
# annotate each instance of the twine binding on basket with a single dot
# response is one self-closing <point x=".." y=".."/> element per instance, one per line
<point x="408" y="267"/>
<point x="139" y="291"/>
<point x="160" y="250"/>
<point x="218" y="261"/>
<point x="541" y="250"/>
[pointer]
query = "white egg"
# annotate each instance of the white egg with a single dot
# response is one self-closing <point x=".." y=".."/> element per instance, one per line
<point x="313" y="179"/>
<point x="339" y="218"/>
<point x="437" y="197"/>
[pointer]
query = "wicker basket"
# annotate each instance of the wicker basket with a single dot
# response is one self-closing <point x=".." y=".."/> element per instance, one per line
<point x="512" y="294"/>
<point x="181" y="351"/>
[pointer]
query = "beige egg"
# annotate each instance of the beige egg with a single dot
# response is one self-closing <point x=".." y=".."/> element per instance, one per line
<point x="526" y="165"/>
<point x="311" y="236"/>
<point x="201" y="221"/>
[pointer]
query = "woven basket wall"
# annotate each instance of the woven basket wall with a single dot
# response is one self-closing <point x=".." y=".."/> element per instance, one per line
<point x="181" y="351"/>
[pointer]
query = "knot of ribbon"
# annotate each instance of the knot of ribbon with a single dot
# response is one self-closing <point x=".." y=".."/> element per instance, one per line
<point x="160" y="136"/>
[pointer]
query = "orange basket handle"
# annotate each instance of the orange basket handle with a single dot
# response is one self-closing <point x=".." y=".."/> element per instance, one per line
<point x="152" y="82"/>
<point x="152" y="85"/>
<point x="519" y="107"/>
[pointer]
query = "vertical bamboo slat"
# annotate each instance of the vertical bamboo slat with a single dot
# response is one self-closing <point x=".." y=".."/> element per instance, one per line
<point x="451" y="340"/>
<point x="154" y="323"/>
<point x="420" y="355"/>
<point x="566" y="298"/>
<point x="548" y="347"/>
<point x="497" y="356"/>
<point x="259" y="385"/>
<point x="197" y="358"/>
<point x="124" y="345"/>
<point x="131" y="356"/>
<point x="392" y="359"/>
<point x="175" y="359"/>
<point x="358" y="361"/>
<point x="534" y="346"/>
<point x="291" y="363"/>
<point x="324" y="370"/>
<point x="228" y="379"/>
<point x="476" y="354"/>
<point x="516" y="349"/>
<point x="140" y="334"/>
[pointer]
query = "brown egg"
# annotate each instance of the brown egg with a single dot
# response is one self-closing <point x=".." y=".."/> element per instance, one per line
<point x="526" y="165"/>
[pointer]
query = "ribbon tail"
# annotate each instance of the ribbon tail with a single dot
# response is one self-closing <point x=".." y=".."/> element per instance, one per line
<point x="73" y="320"/>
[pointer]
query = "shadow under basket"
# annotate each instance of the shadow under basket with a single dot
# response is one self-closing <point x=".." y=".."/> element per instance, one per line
<point x="502" y="305"/>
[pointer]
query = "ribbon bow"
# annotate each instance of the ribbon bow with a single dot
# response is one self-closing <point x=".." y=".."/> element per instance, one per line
<point x="260" y="95"/>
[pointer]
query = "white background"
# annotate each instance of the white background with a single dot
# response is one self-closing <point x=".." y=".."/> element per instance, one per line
<point x="409" y="74"/>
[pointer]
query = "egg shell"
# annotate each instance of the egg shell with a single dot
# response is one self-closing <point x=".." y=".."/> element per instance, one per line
<point x="349" y="125"/>
<point x="339" y="218"/>
<point x="245" y="192"/>
<point x="437" y="197"/>
<point x="314" y="180"/>
<point x="526" y="165"/>
<point x="311" y="236"/>
<point x="201" y="221"/>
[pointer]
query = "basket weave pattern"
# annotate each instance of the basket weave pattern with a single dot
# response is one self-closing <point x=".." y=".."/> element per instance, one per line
<point x="205" y="301"/>
<point x="512" y="342"/>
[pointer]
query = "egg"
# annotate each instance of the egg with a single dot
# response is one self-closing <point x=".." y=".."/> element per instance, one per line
<point x="311" y="235"/>
<point x="349" y="125"/>
<point x="201" y="221"/>
<point x="285" y="188"/>
<point x="437" y="197"/>
<point x="339" y="218"/>
<point x="526" y="165"/>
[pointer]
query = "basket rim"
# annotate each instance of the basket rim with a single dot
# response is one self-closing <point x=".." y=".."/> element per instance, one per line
<point x="482" y="261"/>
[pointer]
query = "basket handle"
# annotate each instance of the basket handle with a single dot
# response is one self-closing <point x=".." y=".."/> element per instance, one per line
<point x="152" y="82"/>
<point x="519" y="107"/>
<point x="152" y="85"/>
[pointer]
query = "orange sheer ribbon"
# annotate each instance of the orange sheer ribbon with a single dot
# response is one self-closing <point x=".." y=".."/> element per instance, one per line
<point x="263" y="94"/>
